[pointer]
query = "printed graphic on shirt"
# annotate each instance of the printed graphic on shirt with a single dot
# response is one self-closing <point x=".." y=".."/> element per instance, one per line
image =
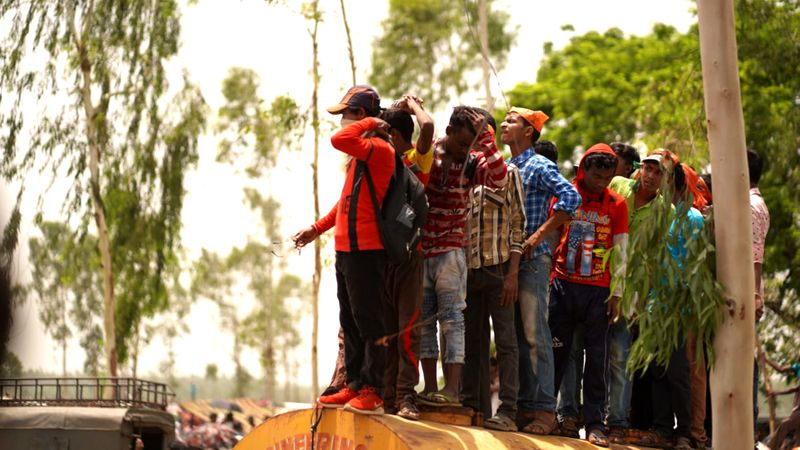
<point x="587" y="243"/>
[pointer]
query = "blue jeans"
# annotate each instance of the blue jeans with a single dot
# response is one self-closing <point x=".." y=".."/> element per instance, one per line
<point x="620" y="385"/>
<point x="536" y="366"/>
<point x="444" y="293"/>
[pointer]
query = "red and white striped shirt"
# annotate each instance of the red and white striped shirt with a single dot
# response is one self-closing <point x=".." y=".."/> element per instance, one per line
<point x="448" y="194"/>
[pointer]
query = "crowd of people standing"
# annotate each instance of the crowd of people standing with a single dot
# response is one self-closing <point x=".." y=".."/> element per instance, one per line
<point x="516" y="243"/>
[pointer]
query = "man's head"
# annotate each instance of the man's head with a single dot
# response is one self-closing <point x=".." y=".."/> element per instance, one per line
<point x="655" y="167"/>
<point x="460" y="133"/>
<point x="679" y="183"/>
<point x="546" y="149"/>
<point x="402" y="127"/>
<point x="627" y="156"/>
<point x="522" y="127"/>
<point x="359" y="102"/>
<point x="597" y="168"/>
<point x="651" y="173"/>
<point x="754" y="165"/>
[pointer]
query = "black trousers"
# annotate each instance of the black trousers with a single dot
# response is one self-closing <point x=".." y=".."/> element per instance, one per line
<point x="672" y="395"/>
<point x="361" y="291"/>
<point x="571" y="304"/>
<point x="484" y="294"/>
<point x="401" y="316"/>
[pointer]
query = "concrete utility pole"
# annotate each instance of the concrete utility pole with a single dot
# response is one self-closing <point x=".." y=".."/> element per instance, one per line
<point x="732" y="376"/>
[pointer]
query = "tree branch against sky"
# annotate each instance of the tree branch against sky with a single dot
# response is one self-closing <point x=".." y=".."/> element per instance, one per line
<point x="94" y="72"/>
<point x="428" y="47"/>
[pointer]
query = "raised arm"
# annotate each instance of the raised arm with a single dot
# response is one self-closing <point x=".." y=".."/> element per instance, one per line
<point x="567" y="202"/>
<point x="425" y="138"/>
<point x="351" y="140"/>
<point x="492" y="170"/>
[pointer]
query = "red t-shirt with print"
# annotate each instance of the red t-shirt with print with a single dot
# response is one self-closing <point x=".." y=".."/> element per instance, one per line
<point x="587" y="237"/>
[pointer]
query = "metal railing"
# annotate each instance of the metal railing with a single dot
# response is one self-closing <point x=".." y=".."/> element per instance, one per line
<point x="109" y="392"/>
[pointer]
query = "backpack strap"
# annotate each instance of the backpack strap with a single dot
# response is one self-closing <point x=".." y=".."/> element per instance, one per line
<point x="352" y="211"/>
<point x="374" y="196"/>
<point x="371" y="186"/>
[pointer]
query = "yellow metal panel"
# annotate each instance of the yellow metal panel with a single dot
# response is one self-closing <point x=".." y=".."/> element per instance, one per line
<point x="343" y="430"/>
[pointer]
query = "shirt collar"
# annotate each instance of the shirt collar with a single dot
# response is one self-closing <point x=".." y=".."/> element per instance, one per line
<point x="523" y="157"/>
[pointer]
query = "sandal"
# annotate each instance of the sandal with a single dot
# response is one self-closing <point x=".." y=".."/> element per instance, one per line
<point x="616" y="435"/>
<point x="597" y="437"/>
<point x="500" y="423"/>
<point x="568" y="427"/>
<point x="651" y="439"/>
<point x="544" y="423"/>
<point x="682" y="443"/>
<point x="437" y="399"/>
<point x="408" y="410"/>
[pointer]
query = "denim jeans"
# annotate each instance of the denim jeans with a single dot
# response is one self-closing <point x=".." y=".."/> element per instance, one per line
<point x="569" y="402"/>
<point x="536" y="367"/>
<point x="620" y="385"/>
<point x="444" y="292"/>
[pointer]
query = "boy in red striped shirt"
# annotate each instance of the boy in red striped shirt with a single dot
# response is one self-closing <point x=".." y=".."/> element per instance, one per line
<point x="456" y="168"/>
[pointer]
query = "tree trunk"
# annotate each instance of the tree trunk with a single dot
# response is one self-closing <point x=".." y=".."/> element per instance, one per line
<point x="732" y="375"/>
<point x="64" y="338"/>
<point x="287" y="372"/>
<point x="269" y="363"/>
<point x="315" y="168"/>
<point x="136" y="348"/>
<point x="64" y="357"/>
<point x="237" y="352"/>
<point x="349" y="43"/>
<point x="95" y="191"/>
<point x="483" y="34"/>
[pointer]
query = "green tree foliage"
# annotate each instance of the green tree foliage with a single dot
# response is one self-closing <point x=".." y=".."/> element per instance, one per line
<point x="10" y="366"/>
<point x="7" y="301"/>
<point x="609" y="87"/>
<point x="429" y="46"/>
<point x="768" y="35"/>
<point x="606" y="87"/>
<point x="270" y="326"/>
<point x="672" y="297"/>
<point x="66" y="285"/>
<point x="249" y="129"/>
<point x="212" y="372"/>
<point x="85" y="86"/>
<point x="254" y="134"/>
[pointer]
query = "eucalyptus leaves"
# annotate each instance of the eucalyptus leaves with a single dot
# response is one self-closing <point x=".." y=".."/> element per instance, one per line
<point x="670" y="297"/>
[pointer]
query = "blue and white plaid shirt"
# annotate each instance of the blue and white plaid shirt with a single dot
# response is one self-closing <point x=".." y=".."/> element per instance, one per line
<point x="542" y="181"/>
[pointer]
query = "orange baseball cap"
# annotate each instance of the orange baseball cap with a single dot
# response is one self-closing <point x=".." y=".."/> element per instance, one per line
<point x="535" y="118"/>
<point x="361" y="96"/>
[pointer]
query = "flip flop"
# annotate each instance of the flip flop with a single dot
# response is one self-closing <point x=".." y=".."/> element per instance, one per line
<point x="437" y="399"/>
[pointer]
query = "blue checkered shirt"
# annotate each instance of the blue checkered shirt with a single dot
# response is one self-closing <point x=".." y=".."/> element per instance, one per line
<point x="542" y="181"/>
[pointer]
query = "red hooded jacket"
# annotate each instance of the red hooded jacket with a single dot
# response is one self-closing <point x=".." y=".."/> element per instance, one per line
<point x="590" y="233"/>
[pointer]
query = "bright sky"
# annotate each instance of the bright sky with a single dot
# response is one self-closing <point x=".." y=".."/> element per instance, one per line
<point x="274" y="41"/>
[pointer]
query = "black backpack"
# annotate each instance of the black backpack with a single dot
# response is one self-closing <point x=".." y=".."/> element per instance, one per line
<point x="403" y="212"/>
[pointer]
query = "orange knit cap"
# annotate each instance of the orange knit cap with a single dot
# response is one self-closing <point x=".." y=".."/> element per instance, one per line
<point x="535" y="118"/>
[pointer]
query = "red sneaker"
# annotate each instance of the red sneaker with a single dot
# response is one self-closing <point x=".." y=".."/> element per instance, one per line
<point x="338" y="399"/>
<point x="367" y="402"/>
